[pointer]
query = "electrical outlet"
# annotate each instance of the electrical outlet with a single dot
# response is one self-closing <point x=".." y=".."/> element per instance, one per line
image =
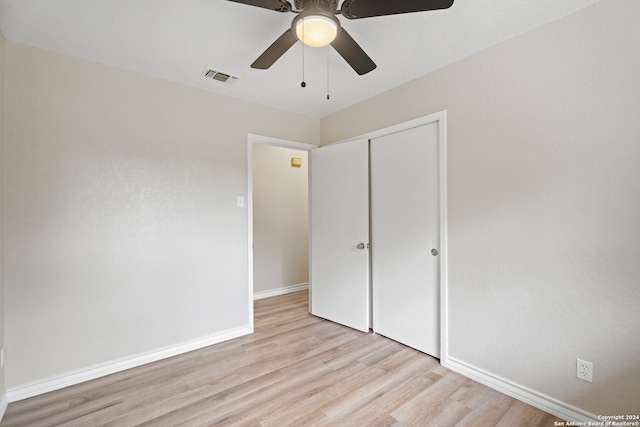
<point x="584" y="370"/>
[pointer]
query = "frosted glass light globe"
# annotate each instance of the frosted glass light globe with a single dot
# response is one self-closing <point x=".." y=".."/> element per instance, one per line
<point x="316" y="30"/>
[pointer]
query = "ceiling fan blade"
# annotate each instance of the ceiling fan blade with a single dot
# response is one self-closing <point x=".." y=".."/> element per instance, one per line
<point x="351" y="51"/>
<point x="277" y="5"/>
<point x="275" y="51"/>
<point x="354" y="9"/>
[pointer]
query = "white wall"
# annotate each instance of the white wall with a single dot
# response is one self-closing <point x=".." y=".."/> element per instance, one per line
<point x="544" y="202"/>
<point x="122" y="231"/>
<point x="280" y="218"/>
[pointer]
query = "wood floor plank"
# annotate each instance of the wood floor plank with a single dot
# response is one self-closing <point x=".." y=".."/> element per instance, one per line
<point x="432" y="406"/>
<point x="489" y="411"/>
<point x="294" y="370"/>
<point x="309" y="399"/>
<point x="388" y="375"/>
<point x="388" y="399"/>
<point x="521" y="415"/>
<point x="469" y="394"/>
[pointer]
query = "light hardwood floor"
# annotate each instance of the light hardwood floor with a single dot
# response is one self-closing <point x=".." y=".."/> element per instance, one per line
<point x="295" y="370"/>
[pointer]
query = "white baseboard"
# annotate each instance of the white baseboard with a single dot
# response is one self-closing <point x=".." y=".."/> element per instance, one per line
<point x="76" y="377"/>
<point x="280" y="291"/>
<point x="4" y="402"/>
<point x="526" y="395"/>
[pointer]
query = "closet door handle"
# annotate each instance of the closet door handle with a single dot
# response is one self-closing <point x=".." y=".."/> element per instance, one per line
<point x="434" y="252"/>
<point x="361" y="246"/>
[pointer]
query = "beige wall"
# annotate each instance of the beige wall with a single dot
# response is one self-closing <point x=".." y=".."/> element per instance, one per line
<point x="122" y="231"/>
<point x="280" y="218"/>
<point x="122" y="234"/>
<point x="3" y="44"/>
<point x="544" y="202"/>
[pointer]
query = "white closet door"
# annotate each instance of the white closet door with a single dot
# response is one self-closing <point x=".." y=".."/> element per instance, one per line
<point x="405" y="230"/>
<point x="339" y="233"/>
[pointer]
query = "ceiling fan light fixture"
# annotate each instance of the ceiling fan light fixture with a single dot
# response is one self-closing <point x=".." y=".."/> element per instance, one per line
<point x="316" y="29"/>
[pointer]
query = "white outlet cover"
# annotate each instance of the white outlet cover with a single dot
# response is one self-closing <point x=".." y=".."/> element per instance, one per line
<point x="584" y="370"/>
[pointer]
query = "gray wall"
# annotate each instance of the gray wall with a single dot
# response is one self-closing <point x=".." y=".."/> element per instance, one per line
<point x="544" y="202"/>
<point x="3" y="44"/>
<point x="122" y="231"/>
<point x="280" y="218"/>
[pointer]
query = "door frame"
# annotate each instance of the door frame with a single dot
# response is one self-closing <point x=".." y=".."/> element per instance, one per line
<point x="441" y="118"/>
<point x="274" y="142"/>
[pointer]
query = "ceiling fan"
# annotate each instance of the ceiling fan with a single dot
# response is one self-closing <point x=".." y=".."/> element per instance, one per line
<point x="316" y="25"/>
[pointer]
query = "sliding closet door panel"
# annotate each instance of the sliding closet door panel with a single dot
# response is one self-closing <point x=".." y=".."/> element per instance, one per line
<point x="405" y="230"/>
<point x="339" y="233"/>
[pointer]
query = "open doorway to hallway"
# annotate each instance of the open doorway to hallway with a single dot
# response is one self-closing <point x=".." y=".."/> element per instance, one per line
<point x="280" y="220"/>
<point x="281" y="250"/>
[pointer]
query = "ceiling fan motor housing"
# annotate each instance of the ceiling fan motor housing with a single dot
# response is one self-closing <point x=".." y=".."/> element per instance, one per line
<point x="331" y="5"/>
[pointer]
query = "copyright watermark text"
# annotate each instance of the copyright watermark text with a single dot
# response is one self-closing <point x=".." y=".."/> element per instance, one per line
<point x="604" y="421"/>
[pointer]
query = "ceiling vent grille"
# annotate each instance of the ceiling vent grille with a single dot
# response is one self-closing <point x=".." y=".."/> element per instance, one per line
<point x="219" y="76"/>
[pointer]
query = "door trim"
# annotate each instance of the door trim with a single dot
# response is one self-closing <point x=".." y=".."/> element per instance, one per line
<point x="441" y="118"/>
<point x="275" y="142"/>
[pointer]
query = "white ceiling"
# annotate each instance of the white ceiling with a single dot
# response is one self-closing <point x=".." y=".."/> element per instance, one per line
<point x="177" y="40"/>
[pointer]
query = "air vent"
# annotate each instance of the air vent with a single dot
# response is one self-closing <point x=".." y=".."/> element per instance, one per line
<point x="219" y="76"/>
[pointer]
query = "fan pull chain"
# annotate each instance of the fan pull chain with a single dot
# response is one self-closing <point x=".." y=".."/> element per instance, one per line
<point x="328" y="97"/>
<point x="303" y="84"/>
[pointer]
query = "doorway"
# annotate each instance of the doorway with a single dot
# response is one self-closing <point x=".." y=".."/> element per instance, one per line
<point x="277" y="203"/>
